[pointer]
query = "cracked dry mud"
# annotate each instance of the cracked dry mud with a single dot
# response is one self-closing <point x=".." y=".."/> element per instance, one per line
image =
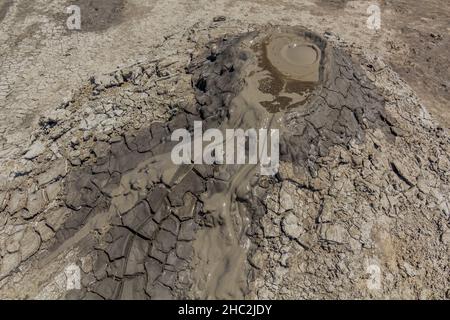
<point x="363" y="180"/>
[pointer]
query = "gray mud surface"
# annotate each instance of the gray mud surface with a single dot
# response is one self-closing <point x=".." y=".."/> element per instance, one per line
<point x="363" y="179"/>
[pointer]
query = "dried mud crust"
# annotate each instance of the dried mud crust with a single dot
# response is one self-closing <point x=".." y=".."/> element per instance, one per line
<point x="350" y="176"/>
<point x="148" y="250"/>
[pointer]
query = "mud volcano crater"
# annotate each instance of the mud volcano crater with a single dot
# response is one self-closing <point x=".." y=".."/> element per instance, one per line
<point x="155" y="230"/>
<point x="322" y="98"/>
<point x="295" y="67"/>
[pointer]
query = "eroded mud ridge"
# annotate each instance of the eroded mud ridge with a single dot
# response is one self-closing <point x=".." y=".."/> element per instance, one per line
<point x="156" y="230"/>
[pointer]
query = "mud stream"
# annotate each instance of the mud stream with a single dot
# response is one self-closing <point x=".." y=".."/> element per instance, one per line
<point x="222" y="253"/>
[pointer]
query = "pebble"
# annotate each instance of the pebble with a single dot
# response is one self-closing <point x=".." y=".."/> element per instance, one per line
<point x="34" y="150"/>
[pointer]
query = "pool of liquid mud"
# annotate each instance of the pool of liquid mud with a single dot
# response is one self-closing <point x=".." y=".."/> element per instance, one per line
<point x="293" y="64"/>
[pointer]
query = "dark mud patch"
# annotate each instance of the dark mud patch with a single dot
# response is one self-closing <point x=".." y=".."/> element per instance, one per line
<point x="4" y="8"/>
<point x="145" y="221"/>
<point x="334" y="4"/>
<point x="99" y="15"/>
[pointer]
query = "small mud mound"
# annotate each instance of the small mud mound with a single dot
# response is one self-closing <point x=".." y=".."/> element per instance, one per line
<point x="167" y="231"/>
<point x="335" y="4"/>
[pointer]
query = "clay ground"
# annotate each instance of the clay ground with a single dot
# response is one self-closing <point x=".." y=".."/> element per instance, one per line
<point x="42" y="62"/>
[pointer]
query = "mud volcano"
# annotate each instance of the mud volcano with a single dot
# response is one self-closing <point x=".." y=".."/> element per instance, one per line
<point x="294" y="63"/>
<point x="156" y="230"/>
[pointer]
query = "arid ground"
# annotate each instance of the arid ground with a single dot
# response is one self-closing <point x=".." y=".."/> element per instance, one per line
<point x="363" y="188"/>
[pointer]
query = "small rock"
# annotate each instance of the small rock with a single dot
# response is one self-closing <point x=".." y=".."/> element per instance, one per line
<point x="13" y="242"/>
<point x="297" y="174"/>
<point x="286" y="202"/>
<point x="87" y="135"/>
<point x="87" y="264"/>
<point x="291" y="226"/>
<point x="44" y="231"/>
<point x="34" y="150"/>
<point x="409" y="269"/>
<point x="333" y="232"/>
<point x="3" y="200"/>
<point x="9" y="263"/>
<point x="327" y="211"/>
<point x="56" y="170"/>
<point x="53" y="190"/>
<point x="445" y="237"/>
<point x="378" y="65"/>
<point x="18" y="201"/>
<point x="74" y="141"/>
<point x="257" y="260"/>
<point x="284" y="260"/>
<point x="219" y="18"/>
<point x="188" y="209"/>
<point x="403" y="172"/>
<point x="56" y="218"/>
<point x="30" y="243"/>
<point x="35" y="204"/>
<point x="270" y="229"/>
